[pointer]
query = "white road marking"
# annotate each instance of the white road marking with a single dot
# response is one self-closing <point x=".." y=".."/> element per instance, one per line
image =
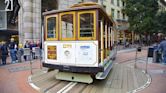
<point x="31" y="84"/>
<point x="67" y="87"/>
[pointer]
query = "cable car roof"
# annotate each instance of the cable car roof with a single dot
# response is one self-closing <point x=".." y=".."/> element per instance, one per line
<point x="82" y="6"/>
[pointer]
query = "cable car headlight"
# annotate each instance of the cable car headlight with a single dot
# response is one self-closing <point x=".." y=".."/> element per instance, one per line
<point x="67" y="53"/>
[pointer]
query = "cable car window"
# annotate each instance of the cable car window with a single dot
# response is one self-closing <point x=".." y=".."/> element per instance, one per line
<point x="67" y="26"/>
<point x="86" y="25"/>
<point x="51" y="27"/>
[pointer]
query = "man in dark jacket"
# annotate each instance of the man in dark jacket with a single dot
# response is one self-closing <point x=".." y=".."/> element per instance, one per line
<point x="4" y="52"/>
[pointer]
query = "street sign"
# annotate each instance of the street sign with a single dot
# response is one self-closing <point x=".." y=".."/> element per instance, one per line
<point x="139" y="49"/>
<point x="9" y="5"/>
<point x="150" y="52"/>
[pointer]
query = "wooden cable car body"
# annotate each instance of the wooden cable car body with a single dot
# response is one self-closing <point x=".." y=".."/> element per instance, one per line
<point x="79" y="42"/>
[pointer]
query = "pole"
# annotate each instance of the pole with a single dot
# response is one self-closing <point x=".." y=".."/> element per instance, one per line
<point x="31" y="63"/>
<point x="135" y="65"/>
<point x="101" y="37"/>
<point x="146" y="68"/>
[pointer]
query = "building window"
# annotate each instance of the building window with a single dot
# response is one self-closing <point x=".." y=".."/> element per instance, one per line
<point x="112" y="1"/>
<point x="118" y="14"/>
<point x="118" y="3"/>
<point x="104" y="7"/>
<point x="112" y="12"/>
<point x="123" y="3"/>
<point x="123" y="16"/>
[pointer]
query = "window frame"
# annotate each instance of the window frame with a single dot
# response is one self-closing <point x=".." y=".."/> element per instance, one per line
<point x="94" y="23"/>
<point x="46" y="27"/>
<point x="74" y="26"/>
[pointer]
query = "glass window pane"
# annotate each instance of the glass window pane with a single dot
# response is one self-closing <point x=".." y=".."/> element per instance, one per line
<point x="67" y="26"/>
<point x="51" y="27"/>
<point x="86" y="25"/>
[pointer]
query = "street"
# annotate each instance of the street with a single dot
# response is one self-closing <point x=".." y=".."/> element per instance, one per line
<point x="16" y="78"/>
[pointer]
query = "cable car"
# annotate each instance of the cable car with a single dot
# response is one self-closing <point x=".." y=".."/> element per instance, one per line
<point x="79" y="42"/>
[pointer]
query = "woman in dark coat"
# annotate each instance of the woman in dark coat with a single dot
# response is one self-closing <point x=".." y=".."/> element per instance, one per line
<point x="4" y="53"/>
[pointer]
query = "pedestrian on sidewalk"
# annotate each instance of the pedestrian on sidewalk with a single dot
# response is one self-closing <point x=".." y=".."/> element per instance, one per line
<point x="4" y="52"/>
<point x="20" y="52"/>
<point x="162" y="46"/>
<point x="13" y="50"/>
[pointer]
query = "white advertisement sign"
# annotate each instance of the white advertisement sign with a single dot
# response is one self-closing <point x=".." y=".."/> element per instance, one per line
<point x="86" y="53"/>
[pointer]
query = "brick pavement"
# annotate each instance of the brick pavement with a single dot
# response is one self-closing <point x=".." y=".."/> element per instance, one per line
<point x="16" y="82"/>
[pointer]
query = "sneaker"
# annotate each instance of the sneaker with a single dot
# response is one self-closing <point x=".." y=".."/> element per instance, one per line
<point x="13" y="62"/>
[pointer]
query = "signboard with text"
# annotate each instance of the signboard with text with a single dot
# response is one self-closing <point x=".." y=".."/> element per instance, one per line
<point x="6" y="5"/>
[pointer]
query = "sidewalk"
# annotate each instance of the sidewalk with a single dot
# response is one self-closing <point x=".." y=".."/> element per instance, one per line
<point x="14" y="77"/>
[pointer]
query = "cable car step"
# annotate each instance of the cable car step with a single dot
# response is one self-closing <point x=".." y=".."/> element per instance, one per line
<point x="77" y="77"/>
<point x="107" y="68"/>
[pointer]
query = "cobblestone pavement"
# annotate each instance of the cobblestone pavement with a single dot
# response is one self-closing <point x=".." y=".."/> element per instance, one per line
<point x="14" y="77"/>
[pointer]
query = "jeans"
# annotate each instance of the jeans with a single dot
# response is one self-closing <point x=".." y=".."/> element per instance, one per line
<point x="13" y="55"/>
<point x="164" y="59"/>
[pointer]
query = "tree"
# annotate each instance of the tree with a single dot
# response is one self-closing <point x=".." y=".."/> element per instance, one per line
<point x="141" y="15"/>
<point x="161" y="22"/>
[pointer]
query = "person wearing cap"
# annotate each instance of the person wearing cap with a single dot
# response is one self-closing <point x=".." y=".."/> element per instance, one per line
<point x="13" y="50"/>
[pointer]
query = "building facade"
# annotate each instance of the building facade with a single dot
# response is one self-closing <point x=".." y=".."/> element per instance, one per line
<point x="8" y="23"/>
<point x="162" y="5"/>
<point x="115" y="8"/>
<point x="29" y="20"/>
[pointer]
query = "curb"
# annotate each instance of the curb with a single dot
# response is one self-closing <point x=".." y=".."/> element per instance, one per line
<point x="32" y="84"/>
<point x="144" y="86"/>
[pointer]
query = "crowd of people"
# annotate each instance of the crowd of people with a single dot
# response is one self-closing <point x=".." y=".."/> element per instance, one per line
<point x="16" y="51"/>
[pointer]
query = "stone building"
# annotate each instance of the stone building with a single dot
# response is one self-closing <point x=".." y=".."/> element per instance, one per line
<point x="29" y="19"/>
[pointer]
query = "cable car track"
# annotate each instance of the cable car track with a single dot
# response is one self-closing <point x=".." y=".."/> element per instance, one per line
<point x="105" y="86"/>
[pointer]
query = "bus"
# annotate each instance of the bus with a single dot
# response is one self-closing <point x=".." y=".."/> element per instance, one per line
<point x="79" y="42"/>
